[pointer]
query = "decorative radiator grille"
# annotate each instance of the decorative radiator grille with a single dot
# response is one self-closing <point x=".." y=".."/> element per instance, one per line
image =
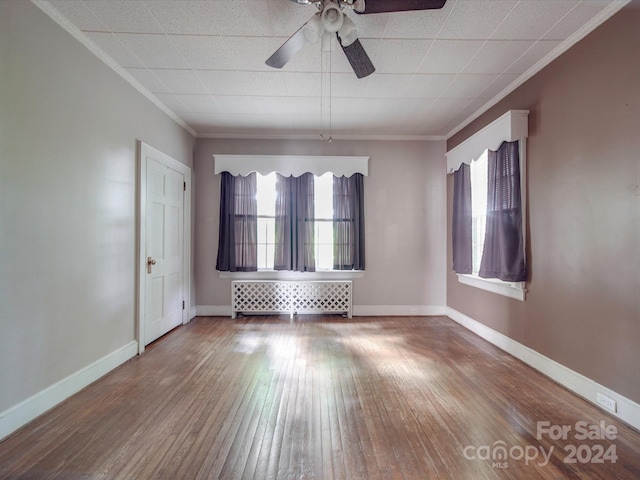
<point x="278" y="296"/>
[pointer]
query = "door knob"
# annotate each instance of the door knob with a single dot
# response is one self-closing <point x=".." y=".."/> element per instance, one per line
<point x="150" y="262"/>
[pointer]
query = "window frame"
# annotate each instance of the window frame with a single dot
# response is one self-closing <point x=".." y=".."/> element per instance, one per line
<point x="516" y="290"/>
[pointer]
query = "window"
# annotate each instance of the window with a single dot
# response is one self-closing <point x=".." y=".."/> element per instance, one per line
<point x="488" y="222"/>
<point x="278" y="223"/>
<point x="483" y="213"/>
<point x="323" y="238"/>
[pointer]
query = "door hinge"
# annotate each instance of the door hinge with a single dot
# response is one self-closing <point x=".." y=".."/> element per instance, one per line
<point x="183" y="306"/>
<point x="184" y="186"/>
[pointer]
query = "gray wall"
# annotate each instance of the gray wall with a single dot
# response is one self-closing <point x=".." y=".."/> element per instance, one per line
<point x="404" y="213"/>
<point x="68" y="127"/>
<point x="583" y="304"/>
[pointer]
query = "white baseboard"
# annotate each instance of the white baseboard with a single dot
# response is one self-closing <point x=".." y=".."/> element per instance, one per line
<point x="34" y="406"/>
<point x="358" y="310"/>
<point x="398" y="310"/>
<point x="627" y="410"/>
<point x="213" y="310"/>
<point x="193" y="312"/>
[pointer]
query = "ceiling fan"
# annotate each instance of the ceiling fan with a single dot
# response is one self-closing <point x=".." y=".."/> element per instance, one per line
<point x="330" y="18"/>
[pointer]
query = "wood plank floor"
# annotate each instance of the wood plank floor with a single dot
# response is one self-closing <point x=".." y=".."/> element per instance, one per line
<point x="321" y="397"/>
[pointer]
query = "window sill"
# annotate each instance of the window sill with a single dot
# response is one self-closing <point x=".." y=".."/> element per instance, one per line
<point x="283" y="275"/>
<point x="515" y="290"/>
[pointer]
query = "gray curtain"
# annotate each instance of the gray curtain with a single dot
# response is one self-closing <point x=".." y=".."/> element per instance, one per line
<point x="462" y="221"/>
<point x="348" y="222"/>
<point x="503" y="254"/>
<point x="294" y="228"/>
<point x="237" y="238"/>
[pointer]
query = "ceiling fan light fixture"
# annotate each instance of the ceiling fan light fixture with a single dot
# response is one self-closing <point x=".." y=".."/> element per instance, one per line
<point x="313" y="29"/>
<point x="359" y="6"/>
<point x="348" y="32"/>
<point x="332" y="17"/>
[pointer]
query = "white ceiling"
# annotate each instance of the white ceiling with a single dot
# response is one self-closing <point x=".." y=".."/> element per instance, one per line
<point x="435" y="70"/>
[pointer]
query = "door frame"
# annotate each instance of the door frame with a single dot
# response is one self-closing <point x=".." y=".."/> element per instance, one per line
<point x="143" y="150"/>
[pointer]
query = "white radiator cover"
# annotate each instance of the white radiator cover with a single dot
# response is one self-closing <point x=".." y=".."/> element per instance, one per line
<point x="280" y="296"/>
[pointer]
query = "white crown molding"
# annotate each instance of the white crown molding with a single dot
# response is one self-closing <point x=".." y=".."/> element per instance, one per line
<point x="627" y="410"/>
<point x="63" y="22"/>
<point x="34" y="406"/>
<point x="605" y="14"/>
<point x="285" y="136"/>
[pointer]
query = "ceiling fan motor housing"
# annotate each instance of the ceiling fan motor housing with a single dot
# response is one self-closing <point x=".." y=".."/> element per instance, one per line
<point x="332" y="17"/>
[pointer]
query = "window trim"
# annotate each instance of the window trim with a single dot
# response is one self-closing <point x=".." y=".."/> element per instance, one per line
<point x="289" y="275"/>
<point x="515" y="290"/>
<point x="288" y="165"/>
<point x="511" y="126"/>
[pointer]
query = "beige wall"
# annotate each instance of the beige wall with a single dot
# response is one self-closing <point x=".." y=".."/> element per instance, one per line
<point x="583" y="304"/>
<point x="404" y="213"/>
<point x="68" y="127"/>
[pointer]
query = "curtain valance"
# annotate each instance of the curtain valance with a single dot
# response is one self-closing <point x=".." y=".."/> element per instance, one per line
<point x="291" y="165"/>
<point x="512" y="126"/>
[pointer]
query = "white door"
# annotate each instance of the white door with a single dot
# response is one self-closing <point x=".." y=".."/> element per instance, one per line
<point x="164" y="252"/>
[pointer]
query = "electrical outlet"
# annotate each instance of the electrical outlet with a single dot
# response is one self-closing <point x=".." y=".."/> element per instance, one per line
<point x="606" y="402"/>
<point x="414" y="311"/>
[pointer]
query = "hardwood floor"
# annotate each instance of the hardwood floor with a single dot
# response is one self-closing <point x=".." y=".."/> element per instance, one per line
<point x="322" y="398"/>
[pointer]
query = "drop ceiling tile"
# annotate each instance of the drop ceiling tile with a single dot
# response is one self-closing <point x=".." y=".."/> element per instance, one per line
<point x="531" y="20"/>
<point x="400" y="56"/>
<point x="199" y="103"/>
<point x="305" y="106"/>
<point x="449" y="56"/>
<point x="171" y="101"/>
<point x="348" y="85"/>
<point x="427" y="86"/>
<point x="154" y="51"/>
<point x="364" y="106"/>
<point x="124" y="16"/>
<point x="370" y="26"/>
<point x="243" y="83"/>
<point x="234" y="105"/>
<point x="302" y="84"/>
<point x="251" y="53"/>
<point x="411" y="108"/>
<point x="180" y="81"/>
<point x="148" y="80"/>
<point x="498" y="85"/>
<point x="417" y="24"/>
<point x="204" y="52"/>
<point x="113" y="47"/>
<point x="387" y="85"/>
<point x="468" y="86"/>
<point x="532" y="56"/>
<point x="575" y="19"/>
<point x="80" y="15"/>
<point x="269" y="106"/>
<point x="220" y="17"/>
<point x="475" y="19"/>
<point x="496" y="56"/>
<point x="455" y="120"/>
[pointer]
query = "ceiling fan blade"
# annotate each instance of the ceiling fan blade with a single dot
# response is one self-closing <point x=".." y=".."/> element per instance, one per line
<point x="358" y="58"/>
<point x="382" y="6"/>
<point x="288" y="49"/>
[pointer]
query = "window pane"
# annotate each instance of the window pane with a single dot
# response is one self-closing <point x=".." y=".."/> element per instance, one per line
<point x="323" y="196"/>
<point x="266" y="196"/>
<point x="479" y="181"/>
